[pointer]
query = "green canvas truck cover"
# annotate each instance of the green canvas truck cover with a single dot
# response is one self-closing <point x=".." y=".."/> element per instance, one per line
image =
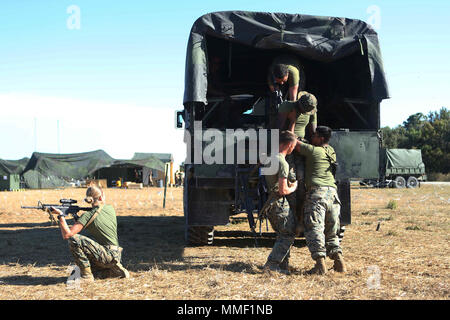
<point x="404" y="159"/>
<point x="318" y="38"/>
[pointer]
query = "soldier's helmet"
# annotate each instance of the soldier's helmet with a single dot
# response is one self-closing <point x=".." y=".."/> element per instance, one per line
<point x="307" y="102"/>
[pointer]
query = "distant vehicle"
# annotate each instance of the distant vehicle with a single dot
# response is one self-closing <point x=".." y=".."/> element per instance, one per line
<point x="399" y="168"/>
<point x="227" y="59"/>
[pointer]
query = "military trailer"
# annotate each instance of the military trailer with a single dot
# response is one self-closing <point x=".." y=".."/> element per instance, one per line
<point x="399" y="168"/>
<point x="227" y="59"/>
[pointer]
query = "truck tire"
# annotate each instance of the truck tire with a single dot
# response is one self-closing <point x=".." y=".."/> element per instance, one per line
<point x="412" y="182"/>
<point x="399" y="182"/>
<point x="200" y="235"/>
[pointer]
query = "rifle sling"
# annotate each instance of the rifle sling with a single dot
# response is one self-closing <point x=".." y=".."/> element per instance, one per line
<point x="94" y="216"/>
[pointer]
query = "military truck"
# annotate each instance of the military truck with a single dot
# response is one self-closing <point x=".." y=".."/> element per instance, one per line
<point x="399" y="168"/>
<point x="228" y="55"/>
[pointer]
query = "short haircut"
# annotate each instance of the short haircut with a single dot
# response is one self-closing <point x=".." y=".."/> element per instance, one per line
<point x="324" y="132"/>
<point x="280" y="71"/>
<point x="287" y="137"/>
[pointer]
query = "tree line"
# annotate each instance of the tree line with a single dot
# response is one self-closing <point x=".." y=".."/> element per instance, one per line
<point x="430" y="133"/>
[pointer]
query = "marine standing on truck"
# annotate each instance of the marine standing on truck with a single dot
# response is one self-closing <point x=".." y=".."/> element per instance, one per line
<point x="322" y="204"/>
<point x="286" y="69"/>
<point x="281" y="217"/>
<point x="298" y="117"/>
<point x="103" y="254"/>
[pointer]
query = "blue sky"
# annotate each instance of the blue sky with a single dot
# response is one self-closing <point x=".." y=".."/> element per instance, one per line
<point x="116" y="82"/>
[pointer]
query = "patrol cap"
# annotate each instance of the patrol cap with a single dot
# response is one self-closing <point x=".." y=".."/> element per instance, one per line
<point x="307" y="101"/>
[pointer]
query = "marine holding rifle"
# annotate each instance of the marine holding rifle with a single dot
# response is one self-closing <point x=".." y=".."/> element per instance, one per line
<point x="101" y="255"/>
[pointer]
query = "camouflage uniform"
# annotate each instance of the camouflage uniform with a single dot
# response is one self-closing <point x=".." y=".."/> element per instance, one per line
<point x="296" y="199"/>
<point x="322" y="211"/>
<point x="280" y="215"/>
<point x="101" y="253"/>
<point x="89" y="253"/>
<point x="283" y="221"/>
<point x="297" y="161"/>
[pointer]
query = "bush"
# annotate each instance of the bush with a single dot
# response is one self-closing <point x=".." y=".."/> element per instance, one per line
<point x="392" y="205"/>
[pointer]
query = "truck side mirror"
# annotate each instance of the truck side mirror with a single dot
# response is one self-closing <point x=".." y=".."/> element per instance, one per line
<point x="179" y="119"/>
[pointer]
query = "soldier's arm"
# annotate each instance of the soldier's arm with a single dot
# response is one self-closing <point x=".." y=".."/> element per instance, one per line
<point x="284" y="189"/>
<point x="298" y="146"/>
<point x="291" y="118"/>
<point x="313" y="124"/>
<point x="67" y="232"/>
<point x="293" y="93"/>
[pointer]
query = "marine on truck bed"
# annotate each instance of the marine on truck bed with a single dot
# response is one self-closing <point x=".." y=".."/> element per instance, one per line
<point x="227" y="59"/>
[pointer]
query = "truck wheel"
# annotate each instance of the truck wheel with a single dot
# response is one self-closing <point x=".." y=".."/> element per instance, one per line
<point x="200" y="235"/>
<point x="412" y="182"/>
<point x="399" y="182"/>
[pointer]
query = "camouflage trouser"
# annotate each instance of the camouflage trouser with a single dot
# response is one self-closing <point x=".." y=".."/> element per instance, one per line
<point x="283" y="221"/>
<point x="88" y="253"/>
<point x="322" y="211"/>
<point x="297" y="198"/>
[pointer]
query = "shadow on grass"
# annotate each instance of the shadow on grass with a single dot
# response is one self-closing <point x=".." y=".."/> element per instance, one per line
<point x="244" y="239"/>
<point x="146" y="241"/>
<point x="31" y="281"/>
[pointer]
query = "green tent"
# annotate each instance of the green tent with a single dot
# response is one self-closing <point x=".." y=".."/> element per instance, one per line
<point x="12" y="166"/>
<point x="47" y="170"/>
<point x="164" y="157"/>
<point x="127" y="170"/>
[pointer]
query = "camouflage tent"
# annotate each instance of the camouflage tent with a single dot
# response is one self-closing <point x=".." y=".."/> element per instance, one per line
<point x="127" y="169"/>
<point x="12" y="166"/>
<point x="46" y="170"/>
<point x="164" y="157"/>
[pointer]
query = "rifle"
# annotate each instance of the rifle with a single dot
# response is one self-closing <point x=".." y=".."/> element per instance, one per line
<point x="66" y="206"/>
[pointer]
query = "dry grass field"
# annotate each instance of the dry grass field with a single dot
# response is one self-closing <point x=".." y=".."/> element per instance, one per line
<point x="407" y="258"/>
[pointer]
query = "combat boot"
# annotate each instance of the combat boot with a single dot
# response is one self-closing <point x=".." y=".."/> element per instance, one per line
<point x="274" y="266"/>
<point x="284" y="266"/>
<point x="339" y="263"/>
<point x="86" y="274"/>
<point x="320" y="267"/>
<point x="119" y="271"/>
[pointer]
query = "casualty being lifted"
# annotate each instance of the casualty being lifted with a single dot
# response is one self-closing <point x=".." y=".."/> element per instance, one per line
<point x="229" y="62"/>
